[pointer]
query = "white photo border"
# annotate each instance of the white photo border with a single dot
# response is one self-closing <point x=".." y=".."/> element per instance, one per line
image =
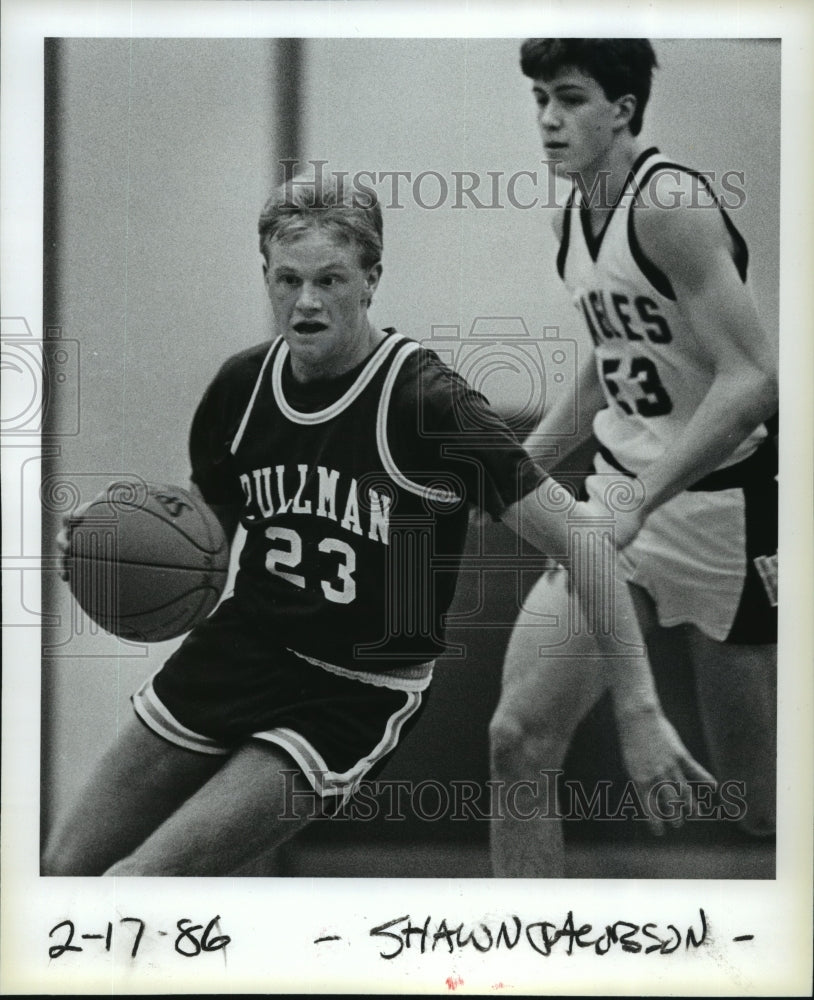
<point x="273" y="923"/>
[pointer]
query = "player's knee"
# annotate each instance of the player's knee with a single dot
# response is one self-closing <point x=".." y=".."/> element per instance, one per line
<point x="518" y="747"/>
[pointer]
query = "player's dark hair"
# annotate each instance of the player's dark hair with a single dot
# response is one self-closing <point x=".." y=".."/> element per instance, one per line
<point x="324" y="199"/>
<point x="619" y="65"/>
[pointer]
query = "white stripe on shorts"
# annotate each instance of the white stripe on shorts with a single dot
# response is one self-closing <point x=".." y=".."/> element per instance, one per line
<point x="326" y="782"/>
<point x="157" y="717"/>
<point x="413" y="678"/>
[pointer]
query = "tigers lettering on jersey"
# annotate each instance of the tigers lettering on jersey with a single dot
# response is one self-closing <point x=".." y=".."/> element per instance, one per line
<point x="639" y="319"/>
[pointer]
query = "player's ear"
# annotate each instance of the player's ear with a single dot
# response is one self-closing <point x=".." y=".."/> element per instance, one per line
<point x="372" y="280"/>
<point x="625" y="110"/>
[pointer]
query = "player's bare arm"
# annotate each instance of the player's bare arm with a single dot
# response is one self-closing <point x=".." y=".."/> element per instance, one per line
<point x="556" y="421"/>
<point x="692" y="247"/>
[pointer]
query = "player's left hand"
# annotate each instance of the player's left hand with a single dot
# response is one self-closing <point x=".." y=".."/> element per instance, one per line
<point x="626" y="522"/>
<point x="63" y="538"/>
<point x="660" y="766"/>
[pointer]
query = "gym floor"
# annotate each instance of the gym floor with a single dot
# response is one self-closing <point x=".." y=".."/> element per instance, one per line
<point x="687" y="853"/>
<point x="660" y="860"/>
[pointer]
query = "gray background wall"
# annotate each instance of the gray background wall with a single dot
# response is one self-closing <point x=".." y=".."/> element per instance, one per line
<point x="164" y="157"/>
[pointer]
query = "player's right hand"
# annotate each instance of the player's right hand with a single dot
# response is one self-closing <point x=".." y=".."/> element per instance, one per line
<point x="660" y="766"/>
<point x="627" y="523"/>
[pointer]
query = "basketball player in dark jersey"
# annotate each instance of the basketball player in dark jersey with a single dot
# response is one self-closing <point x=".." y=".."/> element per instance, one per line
<point x="351" y="457"/>
<point x="678" y="390"/>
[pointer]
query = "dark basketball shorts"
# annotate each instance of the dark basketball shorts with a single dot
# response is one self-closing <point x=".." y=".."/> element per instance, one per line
<point x="708" y="557"/>
<point x="226" y="684"/>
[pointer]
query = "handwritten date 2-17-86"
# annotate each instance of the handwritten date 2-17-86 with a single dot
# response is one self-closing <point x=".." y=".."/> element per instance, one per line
<point x="189" y="939"/>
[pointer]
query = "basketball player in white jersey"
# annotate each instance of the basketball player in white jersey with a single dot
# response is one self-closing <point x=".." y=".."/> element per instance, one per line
<point x="331" y="445"/>
<point x="677" y="391"/>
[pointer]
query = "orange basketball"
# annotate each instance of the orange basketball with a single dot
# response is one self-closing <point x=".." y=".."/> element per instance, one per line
<point x="147" y="561"/>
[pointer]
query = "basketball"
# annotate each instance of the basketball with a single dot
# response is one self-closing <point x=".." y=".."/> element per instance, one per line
<point x="146" y="562"/>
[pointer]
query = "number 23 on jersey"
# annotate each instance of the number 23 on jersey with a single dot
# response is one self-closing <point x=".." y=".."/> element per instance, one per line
<point x="286" y="555"/>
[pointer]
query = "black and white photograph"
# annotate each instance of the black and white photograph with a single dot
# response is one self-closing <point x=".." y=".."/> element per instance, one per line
<point x="401" y="423"/>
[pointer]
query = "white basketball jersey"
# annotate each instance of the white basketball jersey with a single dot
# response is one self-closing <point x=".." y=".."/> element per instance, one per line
<point x="648" y="360"/>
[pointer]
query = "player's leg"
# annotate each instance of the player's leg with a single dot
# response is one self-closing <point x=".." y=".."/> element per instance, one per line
<point x="546" y="692"/>
<point x="256" y="801"/>
<point x="310" y="720"/>
<point x="737" y="699"/>
<point x="136" y="785"/>
<point x="736" y="680"/>
<point x="736" y="688"/>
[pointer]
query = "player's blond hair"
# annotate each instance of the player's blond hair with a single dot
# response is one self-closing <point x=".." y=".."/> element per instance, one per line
<point x="320" y="198"/>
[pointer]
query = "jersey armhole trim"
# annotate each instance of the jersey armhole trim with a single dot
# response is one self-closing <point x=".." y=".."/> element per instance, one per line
<point x="386" y="456"/>
<point x="242" y="427"/>
<point x="562" y="253"/>
<point x="657" y="278"/>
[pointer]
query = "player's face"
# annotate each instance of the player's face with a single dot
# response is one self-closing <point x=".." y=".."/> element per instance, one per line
<point x="320" y="295"/>
<point x="577" y="122"/>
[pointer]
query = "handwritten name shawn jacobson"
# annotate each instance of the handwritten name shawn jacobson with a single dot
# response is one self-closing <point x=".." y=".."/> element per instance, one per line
<point x="402" y="935"/>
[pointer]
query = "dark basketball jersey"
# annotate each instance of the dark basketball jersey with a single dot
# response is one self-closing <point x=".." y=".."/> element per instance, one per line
<point x="354" y="496"/>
